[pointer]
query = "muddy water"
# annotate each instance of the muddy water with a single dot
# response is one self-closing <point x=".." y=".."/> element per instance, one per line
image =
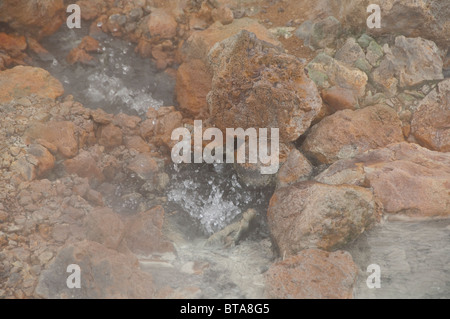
<point x="414" y="257"/>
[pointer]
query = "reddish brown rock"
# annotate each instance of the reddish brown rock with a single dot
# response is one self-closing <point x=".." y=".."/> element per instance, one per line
<point x="339" y="98"/>
<point x="60" y="134"/>
<point x="431" y="120"/>
<point x="162" y="24"/>
<point x="129" y="124"/>
<point x="257" y="85"/>
<point x="84" y="165"/>
<point x="101" y="117"/>
<point x="314" y="215"/>
<point x="110" y="136"/>
<point x="407" y="179"/>
<point x="222" y="14"/>
<point x="296" y="169"/>
<point x="89" y="44"/>
<point x="136" y="143"/>
<point x="192" y="86"/>
<point x="144" y="165"/>
<point x="79" y="55"/>
<point x="12" y="43"/>
<point x="22" y="81"/>
<point x="312" y="274"/>
<point x="104" y="226"/>
<point x="144" y="235"/>
<point x="39" y="18"/>
<point x="348" y="133"/>
<point x="105" y="273"/>
<point x="160" y="125"/>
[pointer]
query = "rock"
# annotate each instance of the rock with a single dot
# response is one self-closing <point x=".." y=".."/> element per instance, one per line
<point x="60" y="134"/>
<point x="406" y="178"/>
<point x="105" y="227"/>
<point x="84" y="165"/>
<point x="326" y="72"/>
<point x="350" y="52"/>
<point x="162" y="24"/>
<point x="416" y="60"/>
<point x="222" y="14"/>
<point x="431" y="121"/>
<point x="33" y="17"/>
<point x="89" y="44"/>
<point x="426" y="19"/>
<point x="348" y="133"/>
<point x="22" y="81"/>
<point x="198" y="45"/>
<point x="320" y="34"/>
<point x="78" y="55"/>
<point x="256" y="85"/>
<point x="105" y="273"/>
<point x="110" y="136"/>
<point x="136" y="143"/>
<point x="101" y="117"/>
<point x="374" y="53"/>
<point x="192" y="86"/>
<point x="312" y="274"/>
<point x="296" y="169"/>
<point x="144" y="235"/>
<point x="314" y="215"/>
<point x="12" y="43"/>
<point x="144" y="165"/>
<point x="339" y="98"/>
<point x="37" y="163"/>
<point x="384" y="77"/>
<point x="160" y="125"/>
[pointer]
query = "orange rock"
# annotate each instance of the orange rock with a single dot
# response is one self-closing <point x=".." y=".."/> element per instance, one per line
<point x="105" y="227"/>
<point x="144" y="165"/>
<point x="312" y="274"/>
<point x="223" y="14"/>
<point x="136" y="143"/>
<point x="313" y="215"/>
<point x="162" y="24"/>
<point x="89" y="44"/>
<point x="192" y="86"/>
<point x="38" y="162"/>
<point x="110" y="136"/>
<point x="12" y="43"/>
<point x="407" y="179"/>
<point x="144" y="235"/>
<point x="84" y="165"/>
<point x="348" y="133"/>
<point x="60" y="134"/>
<point x="22" y="81"/>
<point x="431" y="120"/>
<point x="79" y="55"/>
<point x="296" y="169"/>
<point x="39" y="18"/>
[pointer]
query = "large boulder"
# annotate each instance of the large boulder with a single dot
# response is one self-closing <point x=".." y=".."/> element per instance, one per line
<point x="314" y="215"/>
<point x="257" y="85"/>
<point x="35" y="17"/>
<point x="312" y="274"/>
<point x="407" y="179"/>
<point x="26" y="80"/>
<point x="348" y="133"/>
<point x="431" y="120"/>
<point x="105" y="273"/>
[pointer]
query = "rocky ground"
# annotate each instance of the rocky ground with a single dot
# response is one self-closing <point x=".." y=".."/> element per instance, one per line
<point x="364" y="119"/>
